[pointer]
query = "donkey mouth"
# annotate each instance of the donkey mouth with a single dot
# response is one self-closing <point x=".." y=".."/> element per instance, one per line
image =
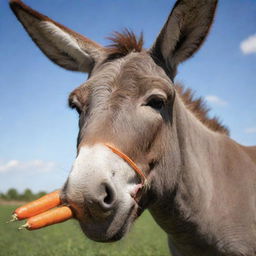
<point x="109" y="229"/>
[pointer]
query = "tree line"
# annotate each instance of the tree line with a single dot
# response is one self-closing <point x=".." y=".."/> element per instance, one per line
<point x="26" y="195"/>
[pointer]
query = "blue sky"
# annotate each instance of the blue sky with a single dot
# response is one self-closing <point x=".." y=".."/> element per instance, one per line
<point x="37" y="129"/>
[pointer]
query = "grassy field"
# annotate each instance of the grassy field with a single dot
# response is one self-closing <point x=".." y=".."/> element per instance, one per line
<point x="145" y="239"/>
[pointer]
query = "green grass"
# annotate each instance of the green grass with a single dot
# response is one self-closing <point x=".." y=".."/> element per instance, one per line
<point x="145" y="239"/>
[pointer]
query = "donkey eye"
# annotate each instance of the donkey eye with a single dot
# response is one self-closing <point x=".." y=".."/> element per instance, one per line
<point x="78" y="110"/>
<point x="156" y="103"/>
<point x="74" y="104"/>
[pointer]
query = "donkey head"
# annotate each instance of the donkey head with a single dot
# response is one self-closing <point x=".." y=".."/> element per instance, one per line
<point x="128" y="101"/>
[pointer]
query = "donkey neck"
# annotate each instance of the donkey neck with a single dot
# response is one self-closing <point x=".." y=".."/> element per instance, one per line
<point x="207" y="187"/>
<point x="197" y="145"/>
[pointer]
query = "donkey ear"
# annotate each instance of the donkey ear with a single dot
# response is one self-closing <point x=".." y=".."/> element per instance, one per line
<point x="183" y="33"/>
<point x="63" y="46"/>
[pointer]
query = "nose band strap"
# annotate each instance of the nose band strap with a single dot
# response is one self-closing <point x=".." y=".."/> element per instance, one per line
<point x="129" y="161"/>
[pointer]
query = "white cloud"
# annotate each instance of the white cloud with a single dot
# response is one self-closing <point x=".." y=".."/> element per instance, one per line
<point x="29" y="166"/>
<point x="216" y="100"/>
<point x="248" y="46"/>
<point x="250" y="130"/>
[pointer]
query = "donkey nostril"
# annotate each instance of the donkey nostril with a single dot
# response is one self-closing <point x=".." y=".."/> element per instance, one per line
<point x="109" y="197"/>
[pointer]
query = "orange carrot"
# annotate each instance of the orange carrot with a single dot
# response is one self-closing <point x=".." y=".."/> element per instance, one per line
<point x="53" y="216"/>
<point x="38" y="206"/>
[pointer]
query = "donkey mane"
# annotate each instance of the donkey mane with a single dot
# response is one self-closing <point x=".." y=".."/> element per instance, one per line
<point x="126" y="41"/>
<point x="200" y="109"/>
<point x="123" y="43"/>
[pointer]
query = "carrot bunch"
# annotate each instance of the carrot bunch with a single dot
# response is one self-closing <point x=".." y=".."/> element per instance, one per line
<point x="43" y="212"/>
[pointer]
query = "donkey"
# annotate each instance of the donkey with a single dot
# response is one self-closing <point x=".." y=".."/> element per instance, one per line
<point x="200" y="183"/>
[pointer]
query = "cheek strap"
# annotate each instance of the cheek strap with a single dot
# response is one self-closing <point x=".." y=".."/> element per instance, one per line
<point x="130" y="162"/>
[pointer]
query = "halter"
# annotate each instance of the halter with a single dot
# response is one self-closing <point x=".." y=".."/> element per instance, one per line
<point x="128" y="160"/>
